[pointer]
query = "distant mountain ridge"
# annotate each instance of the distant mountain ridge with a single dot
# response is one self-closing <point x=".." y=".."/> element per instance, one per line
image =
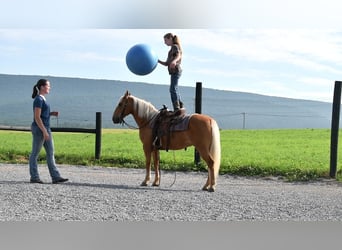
<point x="78" y="99"/>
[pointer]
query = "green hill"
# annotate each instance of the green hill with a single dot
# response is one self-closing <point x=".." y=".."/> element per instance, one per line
<point x="79" y="99"/>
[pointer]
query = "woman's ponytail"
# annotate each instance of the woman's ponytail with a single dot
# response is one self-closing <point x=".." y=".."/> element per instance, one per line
<point x="36" y="88"/>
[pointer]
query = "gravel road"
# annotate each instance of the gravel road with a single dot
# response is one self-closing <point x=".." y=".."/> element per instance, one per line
<point x="114" y="194"/>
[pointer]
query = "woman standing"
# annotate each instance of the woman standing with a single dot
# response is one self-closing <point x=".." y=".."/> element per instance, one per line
<point x="41" y="133"/>
<point x="173" y="63"/>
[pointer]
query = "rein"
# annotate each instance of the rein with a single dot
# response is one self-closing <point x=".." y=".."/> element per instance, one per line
<point x="134" y="127"/>
<point x="123" y="122"/>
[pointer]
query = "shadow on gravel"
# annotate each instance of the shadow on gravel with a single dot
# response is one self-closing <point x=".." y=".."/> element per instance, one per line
<point x="107" y="186"/>
<point x="126" y="187"/>
<point x="16" y="182"/>
<point x="110" y="186"/>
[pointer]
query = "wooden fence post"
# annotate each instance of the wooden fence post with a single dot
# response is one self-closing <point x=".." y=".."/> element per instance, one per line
<point x="98" y="135"/>
<point x="198" y="110"/>
<point x="335" y="128"/>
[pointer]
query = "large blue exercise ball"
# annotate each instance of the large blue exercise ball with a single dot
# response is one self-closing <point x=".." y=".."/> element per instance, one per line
<point x="141" y="59"/>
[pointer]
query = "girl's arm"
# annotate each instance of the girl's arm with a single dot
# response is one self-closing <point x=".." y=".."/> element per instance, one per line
<point x="163" y="63"/>
<point x="173" y="63"/>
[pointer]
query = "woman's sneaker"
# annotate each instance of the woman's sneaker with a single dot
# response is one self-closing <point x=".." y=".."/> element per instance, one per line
<point x="59" y="180"/>
<point x="36" y="181"/>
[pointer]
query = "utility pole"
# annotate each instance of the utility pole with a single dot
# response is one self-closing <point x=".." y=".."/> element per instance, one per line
<point x="243" y="120"/>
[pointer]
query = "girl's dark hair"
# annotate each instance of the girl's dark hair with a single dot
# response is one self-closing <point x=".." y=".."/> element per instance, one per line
<point x="36" y="88"/>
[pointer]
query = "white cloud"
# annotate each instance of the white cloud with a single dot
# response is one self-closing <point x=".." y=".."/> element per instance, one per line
<point x="271" y="45"/>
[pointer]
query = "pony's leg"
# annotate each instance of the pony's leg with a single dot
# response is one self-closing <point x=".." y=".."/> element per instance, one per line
<point x="147" y="167"/>
<point x="211" y="177"/>
<point x="207" y="184"/>
<point x="211" y="180"/>
<point x="156" y="160"/>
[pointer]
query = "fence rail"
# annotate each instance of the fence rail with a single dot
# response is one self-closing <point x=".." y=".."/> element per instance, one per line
<point x="96" y="131"/>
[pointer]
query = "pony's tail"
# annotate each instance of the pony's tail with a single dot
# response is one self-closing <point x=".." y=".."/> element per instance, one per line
<point x="215" y="147"/>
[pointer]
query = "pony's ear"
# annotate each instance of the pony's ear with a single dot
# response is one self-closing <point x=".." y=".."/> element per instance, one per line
<point x="127" y="93"/>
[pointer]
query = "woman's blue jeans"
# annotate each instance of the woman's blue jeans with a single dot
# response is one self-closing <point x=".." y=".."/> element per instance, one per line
<point x="175" y="96"/>
<point x="37" y="143"/>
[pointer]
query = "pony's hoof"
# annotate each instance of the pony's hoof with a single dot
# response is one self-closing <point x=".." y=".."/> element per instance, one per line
<point x="155" y="184"/>
<point x="143" y="184"/>
<point x="209" y="189"/>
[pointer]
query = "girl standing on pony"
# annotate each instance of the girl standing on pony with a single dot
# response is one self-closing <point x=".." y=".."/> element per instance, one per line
<point x="173" y="63"/>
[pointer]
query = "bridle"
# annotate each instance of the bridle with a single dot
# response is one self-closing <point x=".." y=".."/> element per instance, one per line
<point x="121" y="117"/>
<point x="123" y="122"/>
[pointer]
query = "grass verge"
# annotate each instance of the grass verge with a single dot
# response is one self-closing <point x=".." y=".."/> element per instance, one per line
<point x="295" y="154"/>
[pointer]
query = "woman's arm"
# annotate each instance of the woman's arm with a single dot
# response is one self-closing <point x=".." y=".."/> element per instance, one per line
<point x="54" y="113"/>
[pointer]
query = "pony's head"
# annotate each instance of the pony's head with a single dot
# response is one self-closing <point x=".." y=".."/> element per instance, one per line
<point x="128" y="104"/>
<point x="123" y="108"/>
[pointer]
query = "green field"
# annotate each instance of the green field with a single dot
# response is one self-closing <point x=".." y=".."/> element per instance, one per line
<point x="295" y="154"/>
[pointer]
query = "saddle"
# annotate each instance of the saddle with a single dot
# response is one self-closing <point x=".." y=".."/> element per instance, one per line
<point x="166" y="122"/>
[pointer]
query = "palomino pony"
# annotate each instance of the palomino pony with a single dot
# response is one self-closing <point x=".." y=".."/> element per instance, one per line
<point x="202" y="133"/>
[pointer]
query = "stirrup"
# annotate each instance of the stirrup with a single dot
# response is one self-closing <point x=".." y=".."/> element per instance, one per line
<point x="156" y="143"/>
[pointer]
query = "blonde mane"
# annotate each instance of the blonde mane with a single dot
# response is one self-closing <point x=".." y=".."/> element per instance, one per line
<point x="145" y="109"/>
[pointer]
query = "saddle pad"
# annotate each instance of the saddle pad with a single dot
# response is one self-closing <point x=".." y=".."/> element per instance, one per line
<point x="180" y="124"/>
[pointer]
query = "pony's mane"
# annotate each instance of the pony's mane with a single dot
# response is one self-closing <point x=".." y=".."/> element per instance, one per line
<point x="145" y="109"/>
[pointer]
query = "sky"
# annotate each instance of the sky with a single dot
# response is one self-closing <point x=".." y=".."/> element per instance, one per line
<point x="290" y="49"/>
